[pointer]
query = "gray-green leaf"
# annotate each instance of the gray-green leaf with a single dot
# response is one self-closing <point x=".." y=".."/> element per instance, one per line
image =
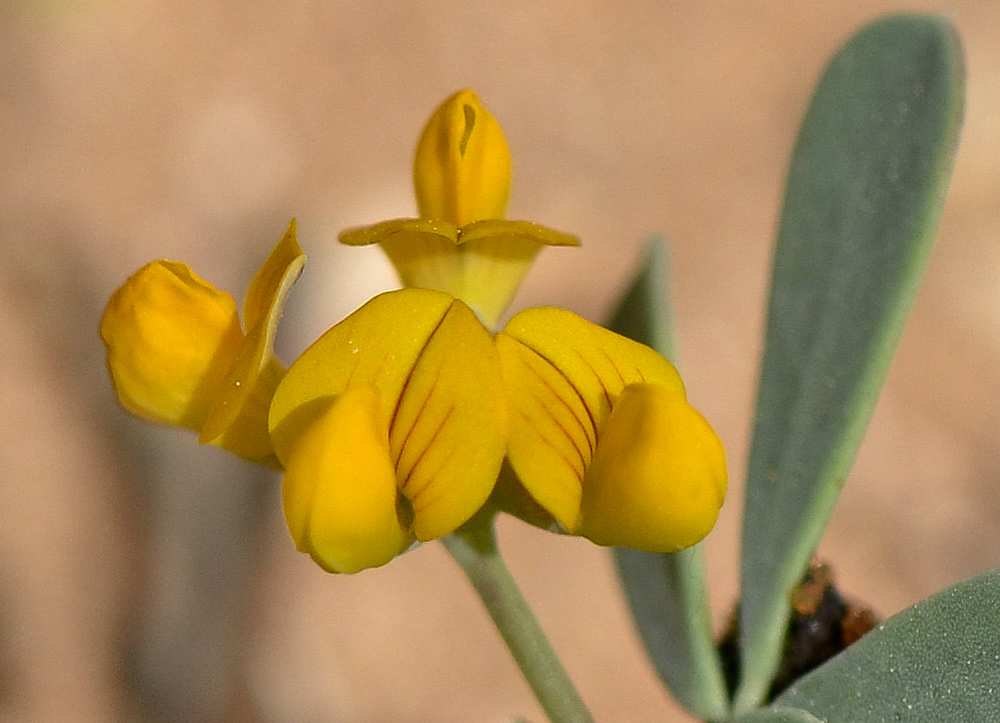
<point x="778" y="714"/>
<point x="937" y="661"/>
<point x="864" y="197"/>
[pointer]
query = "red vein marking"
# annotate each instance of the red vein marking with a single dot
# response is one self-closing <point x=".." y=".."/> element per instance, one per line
<point x="547" y="409"/>
<point x="583" y="402"/>
<point x="413" y="494"/>
<point x="577" y="470"/>
<point x="416" y="363"/>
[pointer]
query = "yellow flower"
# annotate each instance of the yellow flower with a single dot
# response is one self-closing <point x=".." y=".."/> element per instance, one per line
<point x="395" y="425"/>
<point x="177" y="353"/>
<point x="391" y="428"/>
<point x="602" y="436"/>
<point x="461" y="243"/>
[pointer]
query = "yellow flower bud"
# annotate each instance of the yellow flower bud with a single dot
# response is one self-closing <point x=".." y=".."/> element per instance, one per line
<point x="462" y="166"/>
<point x="171" y="337"/>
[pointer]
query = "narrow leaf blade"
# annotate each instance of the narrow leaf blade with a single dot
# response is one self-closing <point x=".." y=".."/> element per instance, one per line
<point x="863" y="201"/>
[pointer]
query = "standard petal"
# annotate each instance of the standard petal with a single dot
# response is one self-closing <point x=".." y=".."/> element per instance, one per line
<point x="438" y="379"/>
<point x="563" y="374"/>
<point x="378" y="346"/>
<point x="171" y="337"/>
<point x="449" y="431"/>
<point x="658" y="476"/>
<point x="493" y="258"/>
<point x="500" y="229"/>
<point x="366" y="235"/>
<point x="238" y="417"/>
<point x="424" y="253"/>
<point x="339" y="489"/>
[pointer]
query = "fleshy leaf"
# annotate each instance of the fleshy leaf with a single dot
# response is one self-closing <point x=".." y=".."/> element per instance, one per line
<point x="667" y="593"/>
<point x="777" y="714"/>
<point x="936" y="661"/>
<point x="864" y="197"/>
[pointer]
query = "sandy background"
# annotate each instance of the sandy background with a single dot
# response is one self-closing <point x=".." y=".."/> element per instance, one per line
<point x="145" y="579"/>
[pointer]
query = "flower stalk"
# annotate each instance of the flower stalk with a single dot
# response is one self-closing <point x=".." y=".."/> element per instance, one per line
<point x="474" y="547"/>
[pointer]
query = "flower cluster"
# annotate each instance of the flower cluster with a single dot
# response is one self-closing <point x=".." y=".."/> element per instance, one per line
<point x="397" y="423"/>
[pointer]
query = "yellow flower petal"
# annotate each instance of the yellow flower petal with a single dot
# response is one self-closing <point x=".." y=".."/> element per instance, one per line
<point x="432" y="228"/>
<point x="493" y="258"/>
<point x="496" y="230"/>
<point x="551" y="438"/>
<point x="658" y="477"/>
<point x="378" y="345"/>
<point x="462" y="168"/>
<point x="450" y="428"/>
<point x="274" y="280"/>
<point x="171" y="337"/>
<point x="436" y="371"/>
<point x="563" y="374"/>
<point x="482" y="264"/>
<point x="339" y="490"/>
<point x="238" y="418"/>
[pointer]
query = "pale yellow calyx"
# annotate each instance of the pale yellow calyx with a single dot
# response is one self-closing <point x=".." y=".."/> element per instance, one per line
<point x="462" y="167"/>
<point x="482" y="264"/>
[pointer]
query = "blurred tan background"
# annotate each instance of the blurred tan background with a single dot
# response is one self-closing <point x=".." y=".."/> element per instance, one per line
<point x="145" y="579"/>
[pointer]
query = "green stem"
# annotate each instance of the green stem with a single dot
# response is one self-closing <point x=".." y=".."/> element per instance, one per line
<point x="474" y="547"/>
